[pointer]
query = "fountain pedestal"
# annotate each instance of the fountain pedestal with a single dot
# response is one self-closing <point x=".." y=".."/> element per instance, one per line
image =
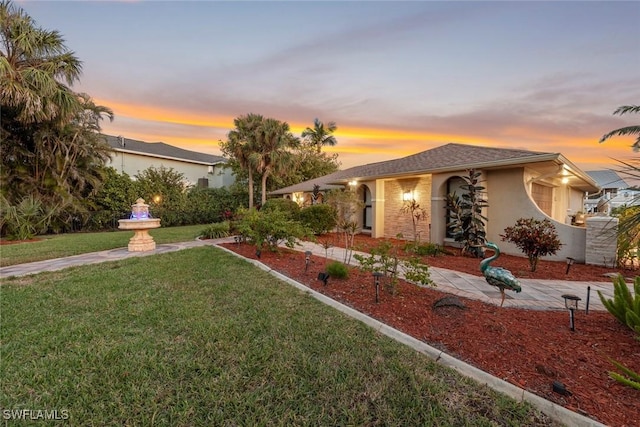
<point x="140" y="223"/>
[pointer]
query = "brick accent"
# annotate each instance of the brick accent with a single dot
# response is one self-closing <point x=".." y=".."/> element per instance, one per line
<point x="602" y="242"/>
<point x="394" y="220"/>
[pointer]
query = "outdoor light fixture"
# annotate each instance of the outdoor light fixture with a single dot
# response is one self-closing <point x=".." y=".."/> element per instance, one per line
<point x="376" y="282"/>
<point x="570" y="262"/>
<point x="353" y="183"/>
<point x="407" y="196"/>
<point x="571" y="303"/>
<point x="565" y="180"/>
<point x="307" y="259"/>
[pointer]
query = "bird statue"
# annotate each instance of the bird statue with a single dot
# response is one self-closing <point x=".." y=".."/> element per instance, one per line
<point x="498" y="276"/>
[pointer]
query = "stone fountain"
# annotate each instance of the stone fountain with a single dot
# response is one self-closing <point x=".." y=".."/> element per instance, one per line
<point x="140" y="222"/>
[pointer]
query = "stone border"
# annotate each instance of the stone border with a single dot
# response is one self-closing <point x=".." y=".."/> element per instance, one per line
<point x="554" y="411"/>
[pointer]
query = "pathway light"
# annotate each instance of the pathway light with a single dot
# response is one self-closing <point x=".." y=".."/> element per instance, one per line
<point x="571" y="303"/>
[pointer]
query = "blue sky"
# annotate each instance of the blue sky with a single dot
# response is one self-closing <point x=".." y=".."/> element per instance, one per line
<point x="397" y="77"/>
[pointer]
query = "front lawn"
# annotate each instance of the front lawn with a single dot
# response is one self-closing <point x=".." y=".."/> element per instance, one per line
<point x="200" y="338"/>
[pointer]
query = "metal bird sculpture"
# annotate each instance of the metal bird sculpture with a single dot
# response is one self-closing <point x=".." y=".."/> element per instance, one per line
<point x="498" y="276"/>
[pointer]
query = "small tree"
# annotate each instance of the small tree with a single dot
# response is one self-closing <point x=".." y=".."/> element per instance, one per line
<point x="467" y="222"/>
<point x="346" y="206"/>
<point x="535" y="238"/>
<point x="417" y="213"/>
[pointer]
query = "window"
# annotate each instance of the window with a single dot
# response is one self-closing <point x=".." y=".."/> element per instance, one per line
<point x="543" y="196"/>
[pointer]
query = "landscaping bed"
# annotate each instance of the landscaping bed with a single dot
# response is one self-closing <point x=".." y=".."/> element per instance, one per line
<point x="528" y="348"/>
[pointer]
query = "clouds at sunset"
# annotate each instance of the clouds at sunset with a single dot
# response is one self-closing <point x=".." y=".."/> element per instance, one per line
<point x="397" y="77"/>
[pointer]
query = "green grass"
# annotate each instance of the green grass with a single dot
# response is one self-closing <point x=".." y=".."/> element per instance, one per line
<point x="200" y="337"/>
<point x="63" y="245"/>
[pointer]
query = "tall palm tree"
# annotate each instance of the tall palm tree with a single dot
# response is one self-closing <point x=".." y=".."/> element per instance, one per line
<point x="274" y="142"/>
<point x="320" y="135"/>
<point x="241" y="145"/>
<point x="628" y="130"/>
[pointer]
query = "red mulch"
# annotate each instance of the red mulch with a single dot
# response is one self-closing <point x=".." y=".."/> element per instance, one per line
<point x="528" y="348"/>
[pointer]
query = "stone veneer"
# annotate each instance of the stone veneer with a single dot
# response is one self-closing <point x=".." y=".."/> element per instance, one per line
<point x="601" y="240"/>
<point x="396" y="222"/>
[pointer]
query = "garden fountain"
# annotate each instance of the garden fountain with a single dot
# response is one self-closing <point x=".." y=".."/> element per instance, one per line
<point x="140" y="222"/>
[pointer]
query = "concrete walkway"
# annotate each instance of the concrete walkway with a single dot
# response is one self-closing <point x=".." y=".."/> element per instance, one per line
<point x="536" y="294"/>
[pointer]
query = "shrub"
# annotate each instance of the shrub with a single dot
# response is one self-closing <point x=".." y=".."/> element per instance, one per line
<point x="624" y="306"/>
<point x="287" y="206"/>
<point x="338" y="270"/>
<point x="417" y="213"/>
<point x="27" y="219"/>
<point x="535" y="238"/>
<point x="268" y="228"/>
<point x="424" y="249"/>
<point x="384" y="259"/>
<point x="319" y="218"/>
<point x="626" y="309"/>
<point x="216" y="230"/>
<point x="467" y="222"/>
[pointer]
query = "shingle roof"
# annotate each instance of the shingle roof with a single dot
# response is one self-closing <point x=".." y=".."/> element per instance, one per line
<point x="160" y="149"/>
<point x="608" y="179"/>
<point x="446" y="157"/>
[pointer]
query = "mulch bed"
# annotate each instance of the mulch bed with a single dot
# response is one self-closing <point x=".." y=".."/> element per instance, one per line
<point x="528" y="348"/>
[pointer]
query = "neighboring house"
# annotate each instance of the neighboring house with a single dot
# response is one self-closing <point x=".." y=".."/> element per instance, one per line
<point x="615" y="192"/>
<point x="519" y="184"/>
<point x="202" y="170"/>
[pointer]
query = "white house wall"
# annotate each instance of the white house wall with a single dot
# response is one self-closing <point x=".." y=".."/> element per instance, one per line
<point x="133" y="164"/>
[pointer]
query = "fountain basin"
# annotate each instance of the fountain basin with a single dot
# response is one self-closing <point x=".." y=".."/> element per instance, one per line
<point x="141" y="240"/>
<point x="140" y="222"/>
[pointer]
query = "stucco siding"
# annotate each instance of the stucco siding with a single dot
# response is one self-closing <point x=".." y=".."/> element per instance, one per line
<point x="133" y="164"/>
<point x="396" y="222"/>
<point x="513" y="203"/>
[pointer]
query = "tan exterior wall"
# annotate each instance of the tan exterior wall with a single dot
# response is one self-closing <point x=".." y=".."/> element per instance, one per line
<point x="132" y="164"/>
<point x="396" y="222"/>
<point x="514" y="202"/>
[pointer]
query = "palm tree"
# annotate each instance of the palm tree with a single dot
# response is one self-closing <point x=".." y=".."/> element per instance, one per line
<point x="274" y="140"/>
<point x="51" y="146"/>
<point x="241" y="145"/>
<point x="35" y="64"/>
<point x="320" y="135"/>
<point x="628" y="130"/>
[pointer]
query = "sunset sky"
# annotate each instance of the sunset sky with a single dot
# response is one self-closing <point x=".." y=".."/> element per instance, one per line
<point x="397" y="77"/>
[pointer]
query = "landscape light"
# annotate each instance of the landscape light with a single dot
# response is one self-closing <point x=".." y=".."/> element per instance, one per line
<point x="571" y="303"/>
<point x="376" y="282"/>
<point x="307" y="259"/>
<point x="570" y="262"/>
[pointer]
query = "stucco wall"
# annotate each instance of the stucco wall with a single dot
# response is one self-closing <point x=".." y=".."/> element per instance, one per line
<point x="396" y="222"/>
<point x="511" y="201"/>
<point x="132" y="164"/>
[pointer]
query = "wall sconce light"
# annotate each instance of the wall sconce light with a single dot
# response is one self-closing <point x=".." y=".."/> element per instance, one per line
<point x="376" y="282"/>
<point x="570" y="262"/>
<point x="565" y="180"/>
<point x="353" y="183"/>
<point x="571" y="303"/>
<point x="407" y="196"/>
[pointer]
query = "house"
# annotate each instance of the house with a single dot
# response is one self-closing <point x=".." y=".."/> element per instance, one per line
<point x="202" y="170"/>
<point x="519" y="184"/>
<point x="615" y="192"/>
